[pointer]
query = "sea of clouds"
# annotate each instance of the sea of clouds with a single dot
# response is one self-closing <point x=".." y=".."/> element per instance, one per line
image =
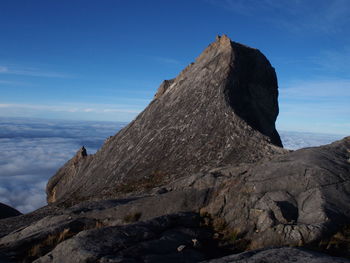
<point x="32" y="150"/>
<point x="297" y="140"/>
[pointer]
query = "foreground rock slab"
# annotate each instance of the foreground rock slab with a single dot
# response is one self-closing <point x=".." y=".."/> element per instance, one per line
<point x="173" y="238"/>
<point x="294" y="199"/>
<point x="278" y="255"/>
<point x="299" y="198"/>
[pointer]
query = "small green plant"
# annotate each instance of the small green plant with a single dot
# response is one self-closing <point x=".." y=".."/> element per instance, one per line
<point x="227" y="237"/>
<point x="52" y="240"/>
<point x="99" y="224"/>
<point x="132" y="217"/>
<point x="336" y="245"/>
<point x="219" y="224"/>
<point x="232" y="235"/>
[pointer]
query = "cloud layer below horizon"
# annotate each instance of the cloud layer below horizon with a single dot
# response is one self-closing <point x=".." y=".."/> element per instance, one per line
<point x="32" y="150"/>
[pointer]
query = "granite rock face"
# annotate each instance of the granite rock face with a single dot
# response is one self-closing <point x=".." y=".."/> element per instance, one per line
<point x="7" y="211"/>
<point x="299" y="198"/>
<point x="219" y="110"/>
<point x="293" y="199"/>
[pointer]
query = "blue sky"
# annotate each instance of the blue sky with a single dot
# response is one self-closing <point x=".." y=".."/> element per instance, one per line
<point x="103" y="60"/>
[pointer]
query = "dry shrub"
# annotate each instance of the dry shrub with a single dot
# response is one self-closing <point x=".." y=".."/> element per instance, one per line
<point x="132" y="217"/>
<point x="51" y="241"/>
<point x="225" y="235"/>
<point x="148" y="182"/>
<point x="338" y="244"/>
<point x="54" y="239"/>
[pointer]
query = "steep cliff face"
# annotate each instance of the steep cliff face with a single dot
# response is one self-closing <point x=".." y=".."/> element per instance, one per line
<point x="219" y="110"/>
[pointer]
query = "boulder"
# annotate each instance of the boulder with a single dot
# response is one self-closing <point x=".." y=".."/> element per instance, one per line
<point x="293" y="199"/>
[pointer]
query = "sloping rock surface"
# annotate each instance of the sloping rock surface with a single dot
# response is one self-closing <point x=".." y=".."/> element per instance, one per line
<point x="9" y="224"/>
<point x="293" y="199"/>
<point x="169" y="238"/>
<point x="278" y="255"/>
<point x="219" y="110"/>
<point x="7" y="211"/>
<point x="297" y="199"/>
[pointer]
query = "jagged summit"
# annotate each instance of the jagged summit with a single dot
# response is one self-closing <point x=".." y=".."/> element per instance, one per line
<point x="219" y="110"/>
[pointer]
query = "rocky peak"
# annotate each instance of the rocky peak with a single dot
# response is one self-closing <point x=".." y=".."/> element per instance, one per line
<point x="163" y="88"/>
<point x="81" y="154"/>
<point x="223" y="42"/>
<point x="72" y="167"/>
<point x="219" y="110"/>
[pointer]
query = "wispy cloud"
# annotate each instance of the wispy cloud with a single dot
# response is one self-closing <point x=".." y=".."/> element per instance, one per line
<point x="327" y="63"/>
<point x="33" y="72"/>
<point x="317" y="89"/>
<point x="97" y="108"/>
<point x="295" y="15"/>
<point x="316" y="105"/>
<point x="71" y="111"/>
<point x="333" y="60"/>
<point x="14" y="83"/>
<point x="316" y="111"/>
<point x="166" y="60"/>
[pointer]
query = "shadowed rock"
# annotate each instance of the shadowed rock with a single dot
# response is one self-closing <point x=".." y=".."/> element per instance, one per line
<point x="278" y="255"/>
<point x="7" y="211"/>
<point x="219" y="110"/>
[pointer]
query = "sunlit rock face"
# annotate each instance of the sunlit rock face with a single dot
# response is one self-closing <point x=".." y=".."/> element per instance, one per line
<point x="219" y="110"/>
